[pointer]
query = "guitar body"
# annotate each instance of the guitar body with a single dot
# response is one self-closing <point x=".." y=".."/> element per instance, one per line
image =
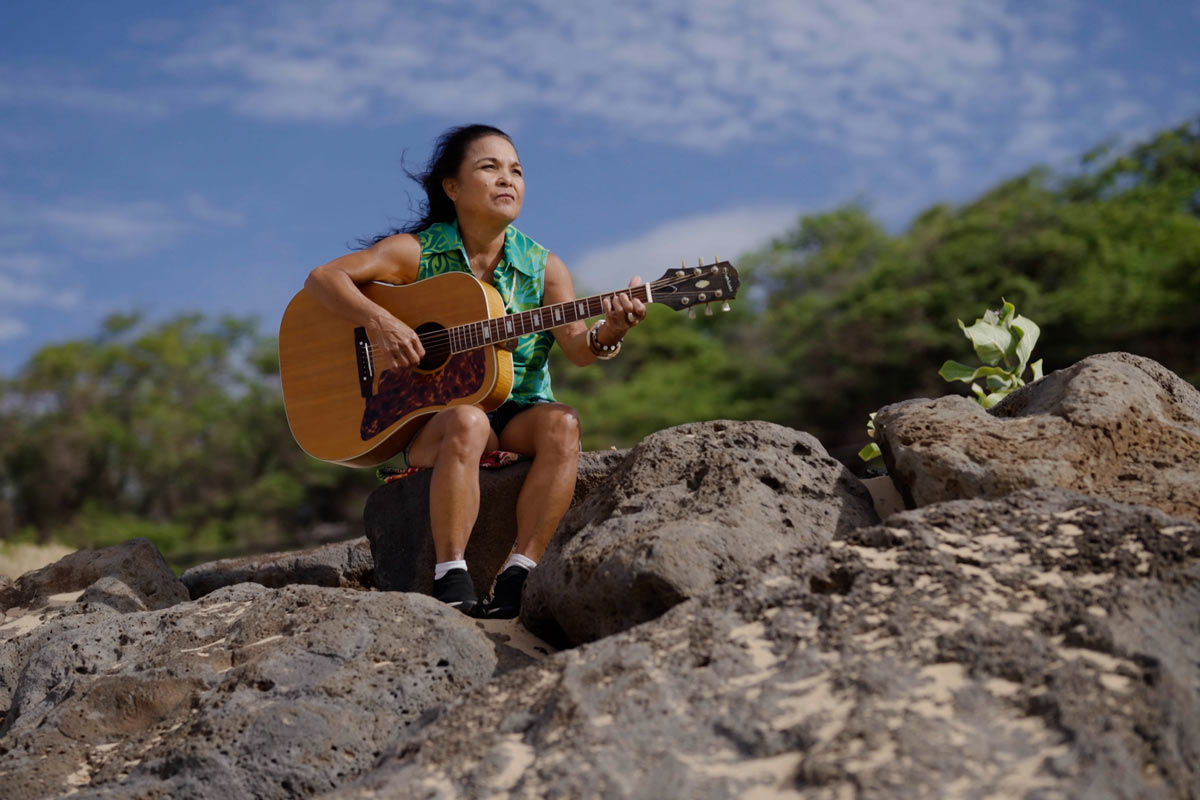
<point x="341" y="410"/>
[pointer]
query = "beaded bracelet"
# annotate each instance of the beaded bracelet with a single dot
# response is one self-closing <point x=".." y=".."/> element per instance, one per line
<point x="601" y="351"/>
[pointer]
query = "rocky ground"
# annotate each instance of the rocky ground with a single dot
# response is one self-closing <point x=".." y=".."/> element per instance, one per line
<point x="722" y="614"/>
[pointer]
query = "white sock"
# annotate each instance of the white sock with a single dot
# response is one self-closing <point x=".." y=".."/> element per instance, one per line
<point x="440" y="569"/>
<point x="518" y="560"/>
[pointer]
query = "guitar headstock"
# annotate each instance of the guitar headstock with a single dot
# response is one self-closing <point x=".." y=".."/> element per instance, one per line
<point x="688" y="287"/>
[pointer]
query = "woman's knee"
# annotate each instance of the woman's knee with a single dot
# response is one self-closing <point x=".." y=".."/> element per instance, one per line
<point x="560" y="430"/>
<point x="466" y="430"/>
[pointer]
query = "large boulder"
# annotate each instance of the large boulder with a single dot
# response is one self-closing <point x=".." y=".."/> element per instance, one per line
<point x="344" y="564"/>
<point x="1044" y="645"/>
<point x="248" y="692"/>
<point x="147" y="580"/>
<point x="396" y="519"/>
<point x="689" y="508"/>
<point x="1113" y="425"/>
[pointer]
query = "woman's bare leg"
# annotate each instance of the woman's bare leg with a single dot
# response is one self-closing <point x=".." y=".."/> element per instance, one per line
<point x="550" y="433"/>
<point x="452" y="443"/>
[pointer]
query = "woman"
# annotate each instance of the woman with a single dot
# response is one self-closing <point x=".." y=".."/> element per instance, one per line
<point x="474" y="187"/>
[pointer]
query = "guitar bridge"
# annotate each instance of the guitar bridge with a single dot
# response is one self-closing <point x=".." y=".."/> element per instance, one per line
<point x="366" y="364"/>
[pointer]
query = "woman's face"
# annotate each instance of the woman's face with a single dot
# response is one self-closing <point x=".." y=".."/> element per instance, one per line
<point x="489" y="185"/>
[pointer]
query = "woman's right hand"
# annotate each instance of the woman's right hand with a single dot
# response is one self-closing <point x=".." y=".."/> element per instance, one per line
<point x="337" y="286"/>
<point x="396" y="345"/>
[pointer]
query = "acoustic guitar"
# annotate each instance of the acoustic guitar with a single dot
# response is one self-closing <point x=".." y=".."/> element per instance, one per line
<point x="342" y="409"/>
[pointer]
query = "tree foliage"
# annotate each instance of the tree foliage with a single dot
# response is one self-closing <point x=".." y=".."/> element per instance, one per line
<point x="847" y="317"/>
<point x="173" y="431"/>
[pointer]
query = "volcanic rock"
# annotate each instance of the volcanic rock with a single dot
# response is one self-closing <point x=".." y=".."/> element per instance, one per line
<point x="136" y="563"/>
<point x="1113" y="425"/>
<point x="344" y="564"/>
<point x="248" y="692"/>
<point x="1044" y="645"/>
<point x="689" y="508"/>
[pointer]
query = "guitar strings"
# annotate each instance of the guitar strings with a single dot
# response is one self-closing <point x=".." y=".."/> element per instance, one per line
<point x="439" y="342"/>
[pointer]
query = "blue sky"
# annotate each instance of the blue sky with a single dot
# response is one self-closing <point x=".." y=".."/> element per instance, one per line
<point x="204" y="156"/>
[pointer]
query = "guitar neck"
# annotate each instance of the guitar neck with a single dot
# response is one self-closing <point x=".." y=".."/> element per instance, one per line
<point x="486" y="332"/>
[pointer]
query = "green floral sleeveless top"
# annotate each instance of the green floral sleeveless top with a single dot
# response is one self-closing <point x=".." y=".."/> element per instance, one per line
<point x="520" y="278"/>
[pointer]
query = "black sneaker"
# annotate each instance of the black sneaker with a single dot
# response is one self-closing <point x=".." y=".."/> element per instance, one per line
<point x="455" y="589"/>
<point x="506" y="597"/>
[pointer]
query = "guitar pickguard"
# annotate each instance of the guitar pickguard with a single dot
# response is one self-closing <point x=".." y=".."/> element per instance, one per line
<point x="402" y="394"/>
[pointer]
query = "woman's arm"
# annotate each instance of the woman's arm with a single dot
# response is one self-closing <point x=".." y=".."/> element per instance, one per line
<point x="335" y="284"/>
<point x="573" y="337"/>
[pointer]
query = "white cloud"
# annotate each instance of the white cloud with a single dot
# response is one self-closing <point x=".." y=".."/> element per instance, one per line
<point x="1034" y="137"/>
<point x="37" y="236"/>
<point x="872" y="77"/>
<point x="204" y="211"/>
<point x="25" y="263"/>
<point x="1125" y="112"/>
<point x="27" y="292"/>
<point x="11" y="328"/>
<point x="111" y="230"/>
<point x="939" y="82"/>
<point x="724" y="235"/>
<point x="75" y="91"/>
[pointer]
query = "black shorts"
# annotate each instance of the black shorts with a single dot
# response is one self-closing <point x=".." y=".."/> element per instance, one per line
<point x="503" y="415"/>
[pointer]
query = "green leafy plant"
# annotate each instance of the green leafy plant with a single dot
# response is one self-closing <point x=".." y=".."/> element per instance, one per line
<point x="871" y="451"/>
<point x="1004" y="342"/>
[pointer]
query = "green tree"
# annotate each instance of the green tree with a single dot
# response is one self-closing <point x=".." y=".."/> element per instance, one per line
<point x="1105" y="257"/>
<point x="671" y="370"/>
<point x="174" y="431"/>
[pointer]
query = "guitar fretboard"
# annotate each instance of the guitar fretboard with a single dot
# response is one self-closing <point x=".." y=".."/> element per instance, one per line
<point x="474" y="335"/>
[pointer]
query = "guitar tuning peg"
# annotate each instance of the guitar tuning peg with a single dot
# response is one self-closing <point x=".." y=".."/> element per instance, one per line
<point x="725" y="306"/>
<point x="683" y="263"/>
<point x="692" y="312"/>
<point x="699" y="262"/>
<point x="708" y="309"/>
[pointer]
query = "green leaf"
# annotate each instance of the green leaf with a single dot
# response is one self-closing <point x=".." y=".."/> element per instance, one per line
<point x="953" y="371"/>
<point x="1037" y="369"/>
<point x="1006" y="313"/>
<point x="870" y="452"/>
<point x="1027" y="336"/>
<point x="999" y="383"/>
<point x="991" y="399"/>
<point x="991" y="342"/>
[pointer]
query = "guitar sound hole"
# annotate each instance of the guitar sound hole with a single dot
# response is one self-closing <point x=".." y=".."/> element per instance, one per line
<point x="437" y="346"/>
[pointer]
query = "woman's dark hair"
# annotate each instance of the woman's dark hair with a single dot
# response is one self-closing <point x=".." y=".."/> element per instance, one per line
<point x="448" y="153"/>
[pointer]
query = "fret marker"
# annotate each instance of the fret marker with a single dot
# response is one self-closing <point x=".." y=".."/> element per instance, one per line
<point x="557" y="314"/>
<point x="581" y="310"/>
<point x="487" y="332"/>
<point x="508" y="325"/>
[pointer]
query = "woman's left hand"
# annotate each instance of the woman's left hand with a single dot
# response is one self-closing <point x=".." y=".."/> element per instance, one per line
<point x="623" y="311"/>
